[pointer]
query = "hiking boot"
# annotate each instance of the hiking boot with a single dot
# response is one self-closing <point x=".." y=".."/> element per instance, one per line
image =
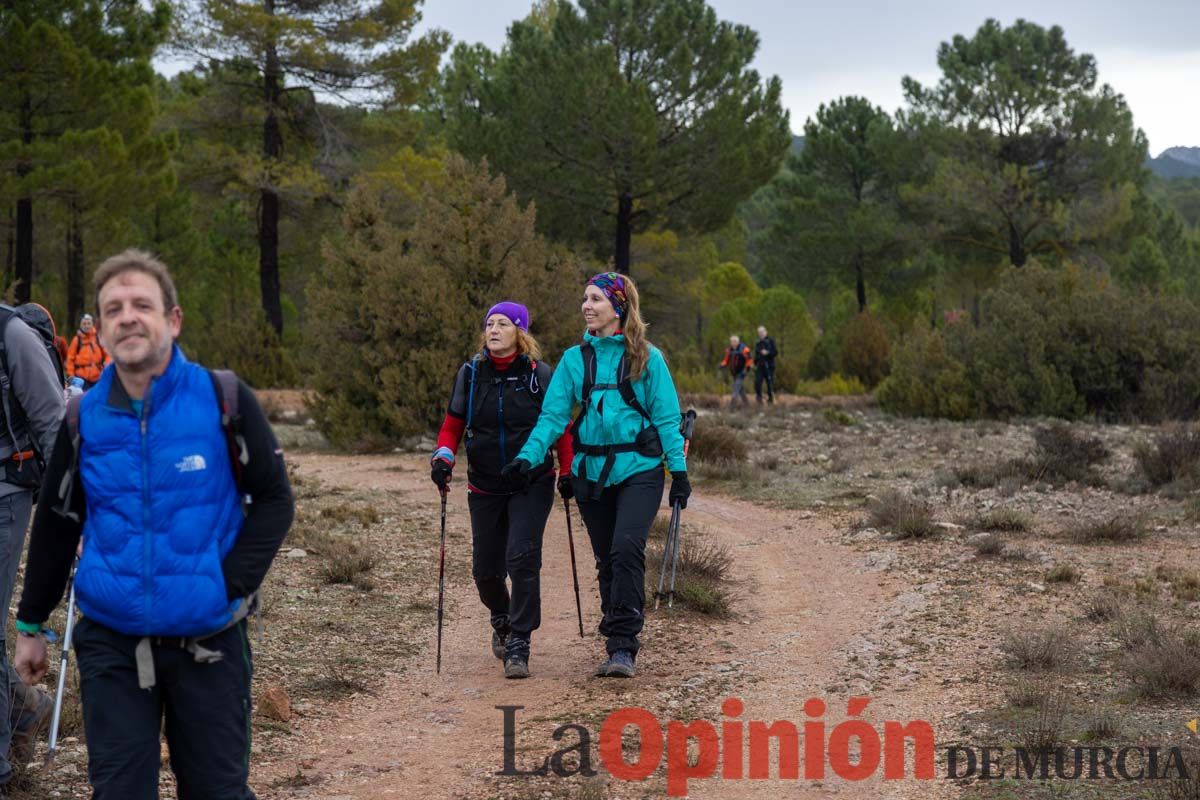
<point x="29" y="716"/>
<point x="602" y="670"/>
<point x="516" y="666"/>
<point x="499" y="640"/>
<point x="516" y="657"/>
<point x="620" y="665"/>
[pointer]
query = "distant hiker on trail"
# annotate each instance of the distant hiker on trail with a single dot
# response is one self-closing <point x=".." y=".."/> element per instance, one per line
<point x="86" y="357"/>
<point x="765" y="353"/>
<point x="31" y="406"/>
<point x="173" y="478"/>
<point x="496" y="400"/>
<point x="627" y="424"/>
<point x="737" y="360"/>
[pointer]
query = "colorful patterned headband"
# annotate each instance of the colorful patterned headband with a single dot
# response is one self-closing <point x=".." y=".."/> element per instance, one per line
<point x="613" y="286"/>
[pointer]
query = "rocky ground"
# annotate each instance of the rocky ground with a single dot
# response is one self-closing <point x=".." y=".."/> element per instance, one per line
<point x="948" y="571"/>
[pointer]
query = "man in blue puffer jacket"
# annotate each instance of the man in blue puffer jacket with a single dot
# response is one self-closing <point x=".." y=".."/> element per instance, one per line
<point x="171" y="557"/>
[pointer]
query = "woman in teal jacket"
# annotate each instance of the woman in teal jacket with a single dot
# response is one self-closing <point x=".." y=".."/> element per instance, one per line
<point x="627" y="426"/>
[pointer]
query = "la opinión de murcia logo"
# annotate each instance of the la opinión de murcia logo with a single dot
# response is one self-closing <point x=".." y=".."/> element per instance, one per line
<point x="854" y="750"/>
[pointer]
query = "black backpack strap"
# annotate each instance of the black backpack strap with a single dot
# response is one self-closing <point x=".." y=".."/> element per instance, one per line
<point x="66" y="486"/>
<point x="225" y="384"/>
<point x="472" y="367"/>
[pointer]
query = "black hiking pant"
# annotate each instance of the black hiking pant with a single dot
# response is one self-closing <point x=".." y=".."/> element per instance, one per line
<point x="207" y="710"/>
<point x="618" y="524"/>
<point x="506" y="540"/>
<point x="764" y="373"/>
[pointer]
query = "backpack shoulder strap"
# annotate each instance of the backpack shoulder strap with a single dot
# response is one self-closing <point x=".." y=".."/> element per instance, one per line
<point x="473" y="367"/>
<point x="625" y="388"/>
<point x="67" y="485"/>
<point x="588" y="353"/>
<point x="225" y="384"/>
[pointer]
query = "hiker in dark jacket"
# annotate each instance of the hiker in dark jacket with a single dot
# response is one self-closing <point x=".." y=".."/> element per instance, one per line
<point x="626" y="430"/>
<point x="765" y="353"/>
<point x="737" y="360"/>
<point x="31" y="405"/>
<point x="178" y="533"/>
<point x="495" y="402"/>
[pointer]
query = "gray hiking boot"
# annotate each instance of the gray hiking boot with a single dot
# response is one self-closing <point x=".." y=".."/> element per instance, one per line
<point x="620" y="665"/>
<point x="516" y="658"/>
<point x="30" y="715"/>
<point x="499" y="640"/>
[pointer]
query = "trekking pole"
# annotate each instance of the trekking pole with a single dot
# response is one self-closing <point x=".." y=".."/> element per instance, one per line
<point x="441" y="579"/>
<point x="52" y="750"/>
<point x="574" y="571"/>
<point x="674" y="557"/>
<point x="687" y="427"/>
<point x="668" y="546"/>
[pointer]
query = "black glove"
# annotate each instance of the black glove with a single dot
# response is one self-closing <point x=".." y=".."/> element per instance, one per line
<point x="565" y="488"/>
<point x="441" y="464"/>
<point x="516" y="473"/>
<point x="439" y="473"/>
<point x="681" y="490"/>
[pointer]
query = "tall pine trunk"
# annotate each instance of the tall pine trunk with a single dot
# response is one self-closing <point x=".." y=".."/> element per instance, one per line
<point x="24" y="264"/>
<point x="624" y="232"/>
<point x="75" y="262"/>
<point x="268" y="212"/>
<point x="860" y="284"/>
<point x="1016" y="247"/>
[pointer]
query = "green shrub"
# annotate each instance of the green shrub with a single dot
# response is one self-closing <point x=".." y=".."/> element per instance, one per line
<point x="865" y="352"/>
<point x="1062" y="455"/>
<point x="1174" y="456"/>
<point x="926" y="380"/>
<point x="715" y="443"/>
<point x="835" y="384"/>
<point x="1060" y="342"/>
<point x="403" y="302"/>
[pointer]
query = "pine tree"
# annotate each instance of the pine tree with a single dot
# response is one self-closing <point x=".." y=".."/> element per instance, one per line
<point x="290" y="52"/>
<point x="620" y="115"/>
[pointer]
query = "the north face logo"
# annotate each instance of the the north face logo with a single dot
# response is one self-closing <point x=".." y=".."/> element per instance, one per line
<point x="191" y="464"/>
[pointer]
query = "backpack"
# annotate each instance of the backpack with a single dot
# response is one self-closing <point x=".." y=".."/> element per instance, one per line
<point x="647" y="442"/>
<point x="23" y="468"/>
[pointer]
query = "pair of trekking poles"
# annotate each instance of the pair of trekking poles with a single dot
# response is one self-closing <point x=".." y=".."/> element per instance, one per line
<point x="445" y="491"/>
<point x="686" y="427"/>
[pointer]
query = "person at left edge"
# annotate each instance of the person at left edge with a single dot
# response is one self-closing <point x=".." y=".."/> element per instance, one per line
<point x="171" y="554"/>
<point x="495" y="402"/>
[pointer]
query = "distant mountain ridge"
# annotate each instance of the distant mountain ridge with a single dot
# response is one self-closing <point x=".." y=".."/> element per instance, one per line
<point x="1176" y="162"/>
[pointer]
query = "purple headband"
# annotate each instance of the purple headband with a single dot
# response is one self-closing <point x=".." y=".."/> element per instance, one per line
<point x="613" y="286"/>
<point x="517" y="314"/>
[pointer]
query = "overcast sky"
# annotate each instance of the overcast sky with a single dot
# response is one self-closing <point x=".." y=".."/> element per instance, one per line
<point x="1149" y="50"/>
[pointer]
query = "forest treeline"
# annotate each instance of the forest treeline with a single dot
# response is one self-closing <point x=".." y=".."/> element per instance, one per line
<point x="342" y="195"/>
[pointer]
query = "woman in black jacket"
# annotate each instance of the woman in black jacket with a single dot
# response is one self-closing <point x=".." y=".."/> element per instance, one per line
<point x="495" y="403"/>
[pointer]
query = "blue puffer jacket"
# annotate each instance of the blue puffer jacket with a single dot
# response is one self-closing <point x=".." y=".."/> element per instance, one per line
<point x="162" y="506"/>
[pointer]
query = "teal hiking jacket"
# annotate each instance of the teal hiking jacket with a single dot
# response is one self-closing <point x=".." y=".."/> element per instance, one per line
<point x="610" y="420"/>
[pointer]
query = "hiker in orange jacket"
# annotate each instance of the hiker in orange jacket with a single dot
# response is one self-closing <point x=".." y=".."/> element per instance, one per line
<point x="86" y="357"/>
<point x="738" y="361"/>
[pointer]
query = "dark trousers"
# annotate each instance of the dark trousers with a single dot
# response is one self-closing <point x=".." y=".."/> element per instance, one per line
<point x="618" y="523"/>
<point x="14" y="519"/>
<point x="207" y="710"/>
<point x="764" y="374"/>
<point x="506" y="540"/>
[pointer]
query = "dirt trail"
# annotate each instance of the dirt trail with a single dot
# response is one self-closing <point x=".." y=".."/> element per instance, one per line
<point x="812" y="617"/>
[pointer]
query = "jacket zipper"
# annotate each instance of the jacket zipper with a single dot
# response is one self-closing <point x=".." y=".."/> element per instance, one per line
<point x="500" y="415"/>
